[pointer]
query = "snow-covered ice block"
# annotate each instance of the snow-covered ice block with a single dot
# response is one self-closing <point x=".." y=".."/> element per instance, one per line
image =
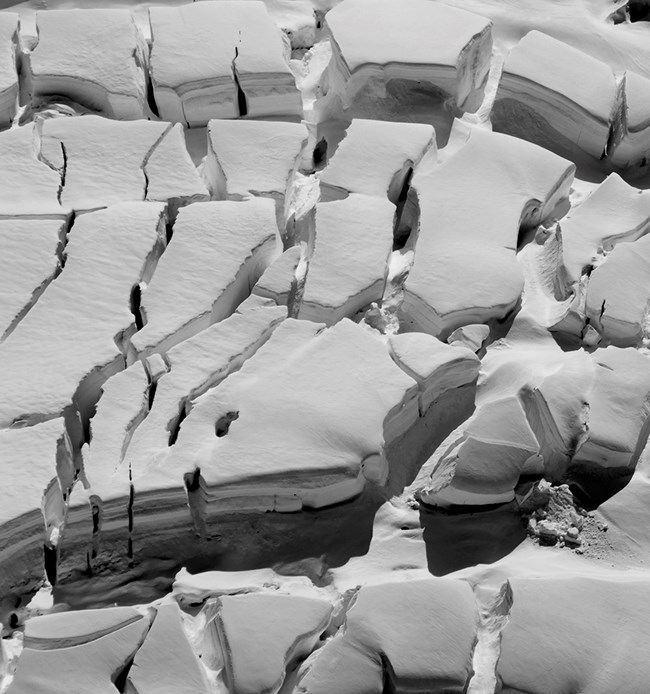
<point x="618" y="294"/>
<point x="484" y="463"/>
<point x="90" y="664"/>
<point x="194" y="366"/>
<point x="619" y="410"/>
<point x="28" y="186"/>
<point x="265" y="431"/>
<point x="123" y="405"/>
<point x="220" y="60"/>
<point x="382" y="641"/>
<point x="30" y="252"/>
<point x="279" y="629"/>
<point x="477" y="194"/>
<point x="574" y="94"/>
<point x="37" y="469"/>
<point x="8" y="67"/>
<point x="416" y="40"/>
<point x="279" y="281"/>
<point x="347" y="269"/>
<point x="252" y="157"/>
<point x="166" y="663"/>
<point x="550" y="616"/>
<point x="77" y="333"/>
<point x="470" y="336"/>
<point x="614" y="212"/>
<point x="435" y="366"/>
<point x="217" y="253"/>
<point x="375" y="158"/>
<point x="95" y="57"/>
<point x="151" y="162"/>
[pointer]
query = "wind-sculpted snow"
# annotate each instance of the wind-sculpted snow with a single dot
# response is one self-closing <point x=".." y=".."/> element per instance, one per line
<point x="324" y="331"/>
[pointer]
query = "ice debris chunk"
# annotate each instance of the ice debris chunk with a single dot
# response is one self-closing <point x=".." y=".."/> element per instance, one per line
<point x="446" y="48"/>
<point x="79" y="656"/>
<point x="573" y="94"/>
<point x="280" y="280"/>
<point x="151" y="163"/>
<point x="38" y="470"/>
<point x="218" y="251"/>
<point x="347" y="269"/>
<point x="221" y="59"/>
<point x="8" y="67"/>
<point x="77" y="334"/>
<point x="94" y="57"/>
<point x="31" y="255"/>
<point x="279" y="629"/>
<point x="382" y="638"/>
<point x="507" y="184"/>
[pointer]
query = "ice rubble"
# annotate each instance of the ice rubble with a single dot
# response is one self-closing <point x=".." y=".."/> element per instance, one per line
<point x="507" y="184"/>
<point x="77" y="334"/>
<point x="8" y="67"/>
<point x="37" y="468"/>
<point x="432" y="43"/>
<point x="31" y="253"/>
<point x="220" y="60"/>
<point x="103" y="68"/>
<point x="218" y="251"/>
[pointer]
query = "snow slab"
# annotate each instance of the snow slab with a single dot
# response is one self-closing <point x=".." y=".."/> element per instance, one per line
<point x="430" y="42"/>
<point x="477" y="193"/>
<point x="102" y="67"/>
<point x="277" y="628"/>
<point x="151" y="163"/>
<point x="375" y="158"/>
<point x="219" y="60"/>
<point x="77" y="333"/>
<point x="31" y="255"/>
<point x="349" y="263"/>
<point x="252" y="157"/>
<point x="218" y="251"/>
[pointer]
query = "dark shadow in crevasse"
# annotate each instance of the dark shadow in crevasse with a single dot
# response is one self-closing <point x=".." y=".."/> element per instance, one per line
<point x="462" y="536"/>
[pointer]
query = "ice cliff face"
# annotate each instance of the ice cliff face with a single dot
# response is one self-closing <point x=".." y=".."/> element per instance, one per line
<point x="324" y="342"/>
